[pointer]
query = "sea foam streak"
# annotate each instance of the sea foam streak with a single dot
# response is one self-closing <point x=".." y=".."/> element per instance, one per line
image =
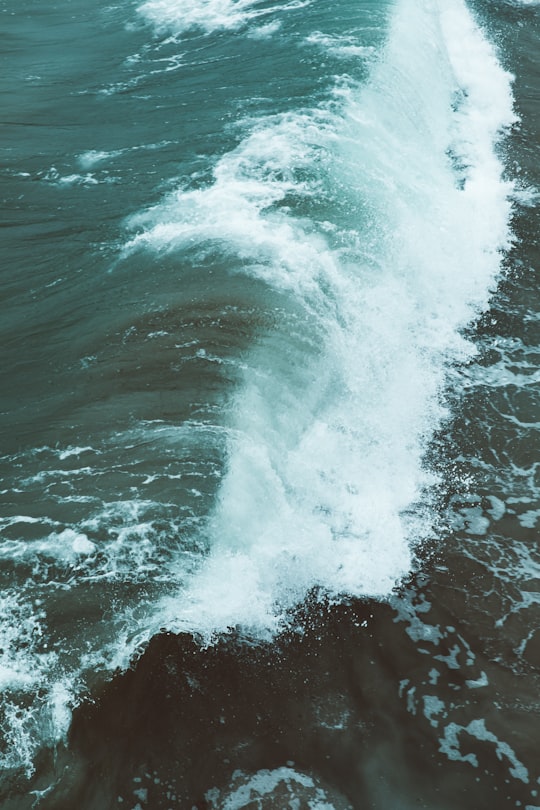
<point x="207" y="15"/>
<point x="408" y="215"/>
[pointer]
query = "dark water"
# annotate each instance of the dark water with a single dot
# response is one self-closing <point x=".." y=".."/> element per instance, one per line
<point x="269" y="405"/>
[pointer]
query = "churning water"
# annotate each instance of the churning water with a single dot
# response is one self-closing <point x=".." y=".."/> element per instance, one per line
<point x="270" y="494"/>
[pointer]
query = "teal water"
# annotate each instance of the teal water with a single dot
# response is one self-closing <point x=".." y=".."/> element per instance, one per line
<point x="269" y="386"/>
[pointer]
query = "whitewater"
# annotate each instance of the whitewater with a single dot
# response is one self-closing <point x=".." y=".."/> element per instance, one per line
<point x="325" y="484"/>
<point x="277" y="331"/>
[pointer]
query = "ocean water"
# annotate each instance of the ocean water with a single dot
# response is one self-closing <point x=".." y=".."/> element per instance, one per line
<point x="270" y="459"/>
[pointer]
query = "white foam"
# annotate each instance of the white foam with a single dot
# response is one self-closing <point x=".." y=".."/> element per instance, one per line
<point x="383" y="250"/>
<point x="265" y="31"/>
<point x="88" y="179"/>
<point x="450" y="745"/>
<point x="27" y="666"/>
<point x="286" y="786"/>
<point x="344" y="45"/>
<point x="209" y="15"/>
<point x="82" y="545"/>
<point x="326" y="451"/>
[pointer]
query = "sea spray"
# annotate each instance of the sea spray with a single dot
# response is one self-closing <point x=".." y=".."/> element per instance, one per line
<point x="372" y="224"/>
<point x="384" y="214"/>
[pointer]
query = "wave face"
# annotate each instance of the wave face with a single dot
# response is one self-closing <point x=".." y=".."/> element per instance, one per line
<point x="257" y="432"/>
<point x="351" y="212"/>
<point x="210" y="15"/>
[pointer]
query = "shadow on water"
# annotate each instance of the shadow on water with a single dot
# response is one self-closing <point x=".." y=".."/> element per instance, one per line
<point x="327" y="699"/>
